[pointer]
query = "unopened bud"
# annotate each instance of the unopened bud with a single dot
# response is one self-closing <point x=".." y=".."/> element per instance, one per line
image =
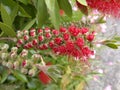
<point x="4" y="56"/>
<point x="9" y="64"/>
<point x="16" y="65"/>
<point x="24" y="70"/>
<point x="24" y="53"/>
<point x="32" y="72"/>
<point x="5" y="47"/>
<point x="14" y="49"/>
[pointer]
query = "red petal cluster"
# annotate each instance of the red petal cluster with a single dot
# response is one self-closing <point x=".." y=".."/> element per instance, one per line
<point x="111" y="7"/>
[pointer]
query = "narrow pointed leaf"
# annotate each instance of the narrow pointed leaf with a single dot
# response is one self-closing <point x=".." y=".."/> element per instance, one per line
<point x="29" y="25"/>
<point x="42" y="14"/>
<point x="5" y="16"/>
<point x="7" y="30"/>
<point x="20" y="76"/>
<point x="53" y="8"/>
<point x="83" y="2"/>
<point x="66" y="6"/>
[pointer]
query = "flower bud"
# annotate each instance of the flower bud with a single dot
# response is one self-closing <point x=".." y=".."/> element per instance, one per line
<point x="20" y="41"/>
<point x="32" y="33"/>
<point x="55" y="32"/>
<point x="24" y="63"/>
<point x="32" y="72"/>
<point x="58" y="40"/>
<point x="47" y="29"/>
<point x="40" y="38"/>
<point x="19" y="34"/>
<point x="4" y="56"/>
<point x="24" y="53"/>
<point x="51" y="44"/>
<point x="84" y="30"/>
<point x="13" y="55"/>
<point x="24" y="70"/>
<point x="40" y="31"/>
<point x="16" y="65"/>
<point x="9" y="64"/>
<point x="48" y="35"/>
<point x="26" y="37"/>
<point x="90" y="37"/>
<point x="5" y="47"/>
<point x="35" y="56"/>
<point x="66" y="36"/>
<point x="62" y="29"/>
<point x="25" y="32"/>
<point x="4" y="63"/>
<point x="34" y="42"/>
<point x="14" y="49"/>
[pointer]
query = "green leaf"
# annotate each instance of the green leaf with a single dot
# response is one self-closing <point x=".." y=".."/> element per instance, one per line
<point x="83" y="2"/>
<point x="117" y="38"/>
<point x="7" y="30"/>
<point x="29" y="25"/>
<point x="20" y="76"/>
<point x="14" y="12"/>
<point x="111" y="45"/>
<point x="53" y="8"/>
<point x="42" y="14"/>
<point x="5" y="16"/>
<point x="31" y="85"/>
<point x="11" y="79"/>
<point x="23" y="13"/>
<point x="24" y="1"/>
<point x="4" y="76"/>
<point x="66" y="6"/>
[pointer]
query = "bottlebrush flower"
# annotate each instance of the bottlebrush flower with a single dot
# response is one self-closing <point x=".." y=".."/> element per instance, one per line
<point x="111" y="7"/>
<point x="43" y="77"/>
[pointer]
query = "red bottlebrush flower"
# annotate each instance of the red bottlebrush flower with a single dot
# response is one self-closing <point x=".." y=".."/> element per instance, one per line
<point x="80" y="42"/>
<point x="40" y="38"/>
<point x="43" y="77"/>
<point x="26" y="37"/>
<point x="66" y="36"/>
<point x="48" y="35"/>
<point x="58" y="40"/>
<point x="84" y="30"/>
<point x="61" y="12"/>
<point x="20" y="41"/>
<point x="34" y="42"/>
<point x="111" y="7"/>
<point x="55" y="32"/>
<point x="32" y="33"/>
<point x="90" y="37"/>
<point x="51" y="44"/>
<point x="62" y="29"/>
<point x="74" y="30"/>
<point x="47" y="29"/>
<point x="40" y="31"/>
